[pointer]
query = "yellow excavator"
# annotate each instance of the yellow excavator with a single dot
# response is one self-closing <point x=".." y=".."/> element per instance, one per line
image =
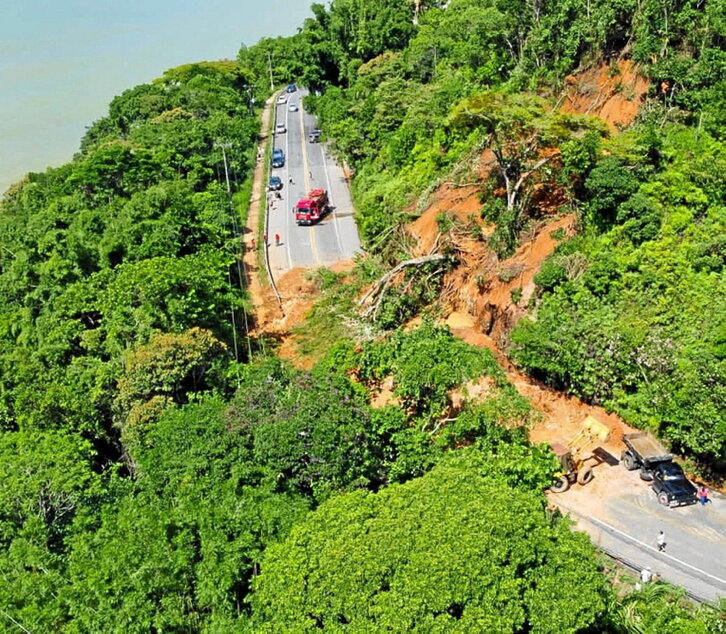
<point x="574" y="456"/>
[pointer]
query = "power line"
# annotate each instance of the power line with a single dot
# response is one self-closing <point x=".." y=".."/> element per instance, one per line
<point x="235" y="235"/>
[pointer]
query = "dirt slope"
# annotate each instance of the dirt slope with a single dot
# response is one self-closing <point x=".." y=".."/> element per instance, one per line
<point x="614" y="92"/>
<point x="484" y="296"/>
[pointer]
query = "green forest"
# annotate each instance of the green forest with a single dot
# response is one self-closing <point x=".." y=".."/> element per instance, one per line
<point x="164" y="471"/>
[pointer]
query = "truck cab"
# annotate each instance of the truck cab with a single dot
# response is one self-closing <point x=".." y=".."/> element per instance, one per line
<point x="312" y="208"/>
<point x="671" y="485"/>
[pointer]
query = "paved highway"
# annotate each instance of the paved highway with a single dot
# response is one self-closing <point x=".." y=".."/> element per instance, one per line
<point x="307" y="166"/>
<point x="627" y="521"/>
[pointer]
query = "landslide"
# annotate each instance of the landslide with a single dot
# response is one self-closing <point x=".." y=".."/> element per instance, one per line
<point x="484" y="296"/>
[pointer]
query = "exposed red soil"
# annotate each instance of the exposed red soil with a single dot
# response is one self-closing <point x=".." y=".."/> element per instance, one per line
<point x="277" y="320"/>
<point x="461" y="202"/>
<point x="614" y="92"/>
<point x="479" y="294"/>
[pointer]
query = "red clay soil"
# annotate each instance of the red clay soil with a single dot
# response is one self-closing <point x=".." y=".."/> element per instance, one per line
<point x="480" y="308"/>
<point x="252" y="257"/>
<point x="299" y="292"/>
<point x="614" y="92"/>
<point x="478" y="294"/>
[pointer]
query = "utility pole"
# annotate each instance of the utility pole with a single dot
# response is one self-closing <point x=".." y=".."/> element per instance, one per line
<point x="269" y="66"/>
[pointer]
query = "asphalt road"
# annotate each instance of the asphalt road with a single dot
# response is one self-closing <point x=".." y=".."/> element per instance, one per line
<point x="626" y="524"/>
<point x="307" y="166"/>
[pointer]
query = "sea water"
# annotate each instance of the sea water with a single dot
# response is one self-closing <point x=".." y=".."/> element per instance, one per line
<point x="62" y="61"/>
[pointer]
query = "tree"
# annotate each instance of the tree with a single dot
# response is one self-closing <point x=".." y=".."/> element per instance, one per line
<point x="450" y="551"/>
<point x="309" y="432"/>
<point x="522" y="135"/>
<point x="48" y="493"/>
<point x="167" y="370"/>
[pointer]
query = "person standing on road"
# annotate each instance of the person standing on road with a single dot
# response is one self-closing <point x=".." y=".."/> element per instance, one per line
<point x="661" y="542"/>
<point x="703" y="495"/>
<point x="277" y="239"/>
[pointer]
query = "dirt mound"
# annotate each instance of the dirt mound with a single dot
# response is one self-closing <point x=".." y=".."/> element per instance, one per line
<point x="460" y="202"/>
<point x="299" y="290"/>
<point x="614" y="92"/>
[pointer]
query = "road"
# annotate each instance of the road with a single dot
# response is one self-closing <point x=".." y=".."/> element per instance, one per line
<point x="307" y="166"/>
<point x="625" y="521"/>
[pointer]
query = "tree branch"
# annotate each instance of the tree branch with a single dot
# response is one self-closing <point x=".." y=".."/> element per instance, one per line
<point x="378" y="289"/>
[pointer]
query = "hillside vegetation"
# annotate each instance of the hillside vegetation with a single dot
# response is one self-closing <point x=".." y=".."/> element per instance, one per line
<point x="630" y="313"/>
<point x="163" y="471"/>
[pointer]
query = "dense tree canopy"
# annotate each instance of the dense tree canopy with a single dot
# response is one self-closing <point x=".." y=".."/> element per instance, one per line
<point x="155" y="475"/>
<point x="450" y="552"/>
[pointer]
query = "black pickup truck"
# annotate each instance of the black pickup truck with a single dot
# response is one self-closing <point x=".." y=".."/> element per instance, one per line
<point x="656" y="466"/>
<point x="672" y="486"/>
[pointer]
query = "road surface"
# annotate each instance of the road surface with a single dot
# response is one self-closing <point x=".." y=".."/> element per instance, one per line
<point x="625" y="521"/>
<point x="307" y="166"/>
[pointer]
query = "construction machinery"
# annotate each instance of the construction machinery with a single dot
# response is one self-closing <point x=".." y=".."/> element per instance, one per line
<point x="575" y="457"/>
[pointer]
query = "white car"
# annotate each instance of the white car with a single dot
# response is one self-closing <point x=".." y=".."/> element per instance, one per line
<point x="280" y="128"/>
<point x="292" y="107"/>
<point x="282" y="99"/>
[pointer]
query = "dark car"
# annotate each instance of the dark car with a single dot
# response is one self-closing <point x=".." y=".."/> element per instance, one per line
<point x="291" y="88"/>
<point x="275" y="183"/>
<point x="278" y="158"/>
<point x="314" y="135"/>
<point x="672" y="486"/>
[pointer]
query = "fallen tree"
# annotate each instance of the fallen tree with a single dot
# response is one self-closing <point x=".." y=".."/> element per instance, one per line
<point x="376" y="292"/>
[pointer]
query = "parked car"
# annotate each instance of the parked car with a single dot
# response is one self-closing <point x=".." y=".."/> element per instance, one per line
<point x="314" y="135"/>
<point x="278" y="158"/>
<point x="671" y="485"/>
<point x="292" y="107"/>
<point x="275" y="183"/>
<point x="291" y="88"/>
<point x="280" y="128"/>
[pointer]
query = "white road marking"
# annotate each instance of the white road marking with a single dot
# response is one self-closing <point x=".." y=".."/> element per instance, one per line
<point x="330" y="195"/>
<point x="306" y="174"/>
<point x="680" y="562"/>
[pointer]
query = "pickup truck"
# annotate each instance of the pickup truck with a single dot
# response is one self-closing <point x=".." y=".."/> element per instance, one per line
<point x="671" y="485"/>
<point x="656" y="466"/>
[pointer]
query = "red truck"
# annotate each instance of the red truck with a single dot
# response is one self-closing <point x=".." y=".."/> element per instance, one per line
<point x="312" y="208"/>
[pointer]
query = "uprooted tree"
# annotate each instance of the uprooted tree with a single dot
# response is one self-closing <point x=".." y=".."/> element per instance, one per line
<point x="524" y="135"/>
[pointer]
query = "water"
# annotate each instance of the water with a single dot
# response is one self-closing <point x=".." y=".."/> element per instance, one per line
<point x="62" y="61"/>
